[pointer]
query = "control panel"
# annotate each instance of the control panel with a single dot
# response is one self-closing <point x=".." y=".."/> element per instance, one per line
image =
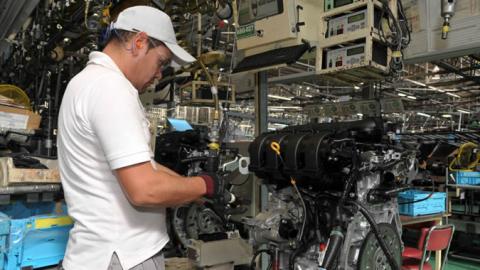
<point x="347" y="23"/>
<point x="346" y="56"/>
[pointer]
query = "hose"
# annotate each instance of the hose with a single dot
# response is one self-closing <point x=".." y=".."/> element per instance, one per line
<point x="335" y="242"/>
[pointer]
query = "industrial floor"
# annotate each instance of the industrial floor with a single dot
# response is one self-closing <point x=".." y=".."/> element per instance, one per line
<point x="457" y="264"/>
<point x="452" y="264"/>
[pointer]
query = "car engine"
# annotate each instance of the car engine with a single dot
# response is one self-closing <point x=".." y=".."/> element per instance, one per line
<point x="190" y="153"/>
<point x="331" y="196"/>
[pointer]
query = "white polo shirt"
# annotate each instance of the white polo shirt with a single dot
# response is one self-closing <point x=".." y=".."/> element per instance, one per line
<point x="102" y="127"/>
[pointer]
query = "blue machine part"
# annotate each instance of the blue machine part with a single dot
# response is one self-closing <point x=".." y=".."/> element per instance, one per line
<point x="179" y="124"/>
<point x="20" y="209"/>
<point x="35" y="241"/>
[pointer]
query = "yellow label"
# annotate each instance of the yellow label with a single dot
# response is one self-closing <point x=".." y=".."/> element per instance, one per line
<point x="397" y="54"/>
<point x="45" y="223"/>
<point x="214" y="146"/>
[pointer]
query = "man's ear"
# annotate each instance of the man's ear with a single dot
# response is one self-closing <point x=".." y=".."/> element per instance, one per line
<point x="138" y="42"/>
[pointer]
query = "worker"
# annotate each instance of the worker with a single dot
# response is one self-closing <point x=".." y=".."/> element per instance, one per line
<point x="115" y="192"/>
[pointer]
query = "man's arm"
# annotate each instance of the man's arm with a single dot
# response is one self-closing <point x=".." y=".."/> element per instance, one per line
<point x="147" y="187"/>
<point x="160" y="167"/>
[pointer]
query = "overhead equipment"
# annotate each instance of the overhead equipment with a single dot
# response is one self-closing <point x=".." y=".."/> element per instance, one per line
<point x="361" y="40"/>
<point x="275" y="32"/>
<point x="430" y="18"/>
<point x="448" y="10"/>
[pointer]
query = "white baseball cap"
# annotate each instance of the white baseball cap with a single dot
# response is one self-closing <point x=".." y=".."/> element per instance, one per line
<point x="156" y="24"/>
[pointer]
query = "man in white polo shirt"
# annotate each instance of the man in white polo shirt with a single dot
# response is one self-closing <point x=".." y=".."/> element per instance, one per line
<point x="114" y="192"/>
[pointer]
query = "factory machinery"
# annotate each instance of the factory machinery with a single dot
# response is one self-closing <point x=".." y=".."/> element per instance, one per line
<point x="331" y="195"/>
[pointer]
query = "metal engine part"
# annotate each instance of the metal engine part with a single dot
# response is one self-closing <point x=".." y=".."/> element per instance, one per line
<point x="188" y="153"/>
<point x="371" y="256"/>
<point x="330" y="179"/>
<point x="192" y="220"/>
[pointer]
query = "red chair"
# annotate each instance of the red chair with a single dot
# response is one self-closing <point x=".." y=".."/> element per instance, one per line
<point x="431" y="239"/>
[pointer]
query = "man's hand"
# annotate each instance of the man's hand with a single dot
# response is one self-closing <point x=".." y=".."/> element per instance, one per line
<point x="215" y="186"/>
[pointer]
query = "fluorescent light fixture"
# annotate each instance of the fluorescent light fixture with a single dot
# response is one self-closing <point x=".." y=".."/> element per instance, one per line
<point x="401" y="94"/>
<point x="280" y="97"/>
<point x="446" y="115"/>
<point x="453" y="95"/>
<point x="464" y="111"/>
<point x="411" y="97"/>
<point x="276" y="109"/>
<point x="436" y="89"/>
<point x="424" y="114"/>
<point x="415" y="82"/>
<point x="356" y="87"/>
<point x="309" y="96"/>
<point x="360" y="114"/>
<point x="285" y="107"/>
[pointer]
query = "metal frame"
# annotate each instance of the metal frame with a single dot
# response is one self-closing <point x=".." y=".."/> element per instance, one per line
<point x="427" y="238"/>
<point x="194" y="86"/>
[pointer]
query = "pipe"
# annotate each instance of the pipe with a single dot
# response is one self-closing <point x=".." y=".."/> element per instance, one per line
<point x="30" y="189"/>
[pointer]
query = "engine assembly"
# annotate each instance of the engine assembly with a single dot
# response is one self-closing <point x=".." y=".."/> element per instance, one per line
<point x="332" y="196"/>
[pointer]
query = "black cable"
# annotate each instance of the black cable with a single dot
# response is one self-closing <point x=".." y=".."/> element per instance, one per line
<point x="242" y="183"/>
<point x="404" y="21"/>
<point x="423" y="199"/>
<point x="193" y="159"/>
<point x="373" y="226"/>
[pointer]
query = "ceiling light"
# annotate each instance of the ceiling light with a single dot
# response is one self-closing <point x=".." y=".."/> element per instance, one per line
<point x="285" y="107"/>
<point x="360" y="114"/>
<point x="308" y="87"/>
<point x="280" y="97"/>
<point x="411" y="97"/>
<point x="356" y="87"/>
<point x="309" y="96"/>
<point x="436" y="89"/>
<point x="402" y="94"/>
<point x="446" y="115"/>
<point x="453" y="95"/>
<point x="415" y="82"/>
<point x="424" y="114"/>
<point x="464" y="111"/>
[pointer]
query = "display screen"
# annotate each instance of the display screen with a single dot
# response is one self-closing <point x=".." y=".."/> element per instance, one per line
<point x="339" y="3"/>
<point x="357" y="50"/>
<point x="356" y="18"/>
<point x="253" y="10"/>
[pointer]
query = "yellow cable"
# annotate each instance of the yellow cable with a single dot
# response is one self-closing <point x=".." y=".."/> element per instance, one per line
<point x="456" y="161"/>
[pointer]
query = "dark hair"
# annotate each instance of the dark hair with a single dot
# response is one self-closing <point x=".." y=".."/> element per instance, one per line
<point x="120" y="35"/>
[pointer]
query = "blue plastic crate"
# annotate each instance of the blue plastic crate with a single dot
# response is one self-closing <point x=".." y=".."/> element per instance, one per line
<point x="35" y="241"/>
<point x="467" y="178"/>
<point x="433" y="205"/>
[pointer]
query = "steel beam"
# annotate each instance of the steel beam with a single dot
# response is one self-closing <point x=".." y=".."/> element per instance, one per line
<point x="455" y="70"/>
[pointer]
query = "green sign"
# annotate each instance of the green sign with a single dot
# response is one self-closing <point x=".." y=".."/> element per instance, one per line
<point x="246" y="31"/>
